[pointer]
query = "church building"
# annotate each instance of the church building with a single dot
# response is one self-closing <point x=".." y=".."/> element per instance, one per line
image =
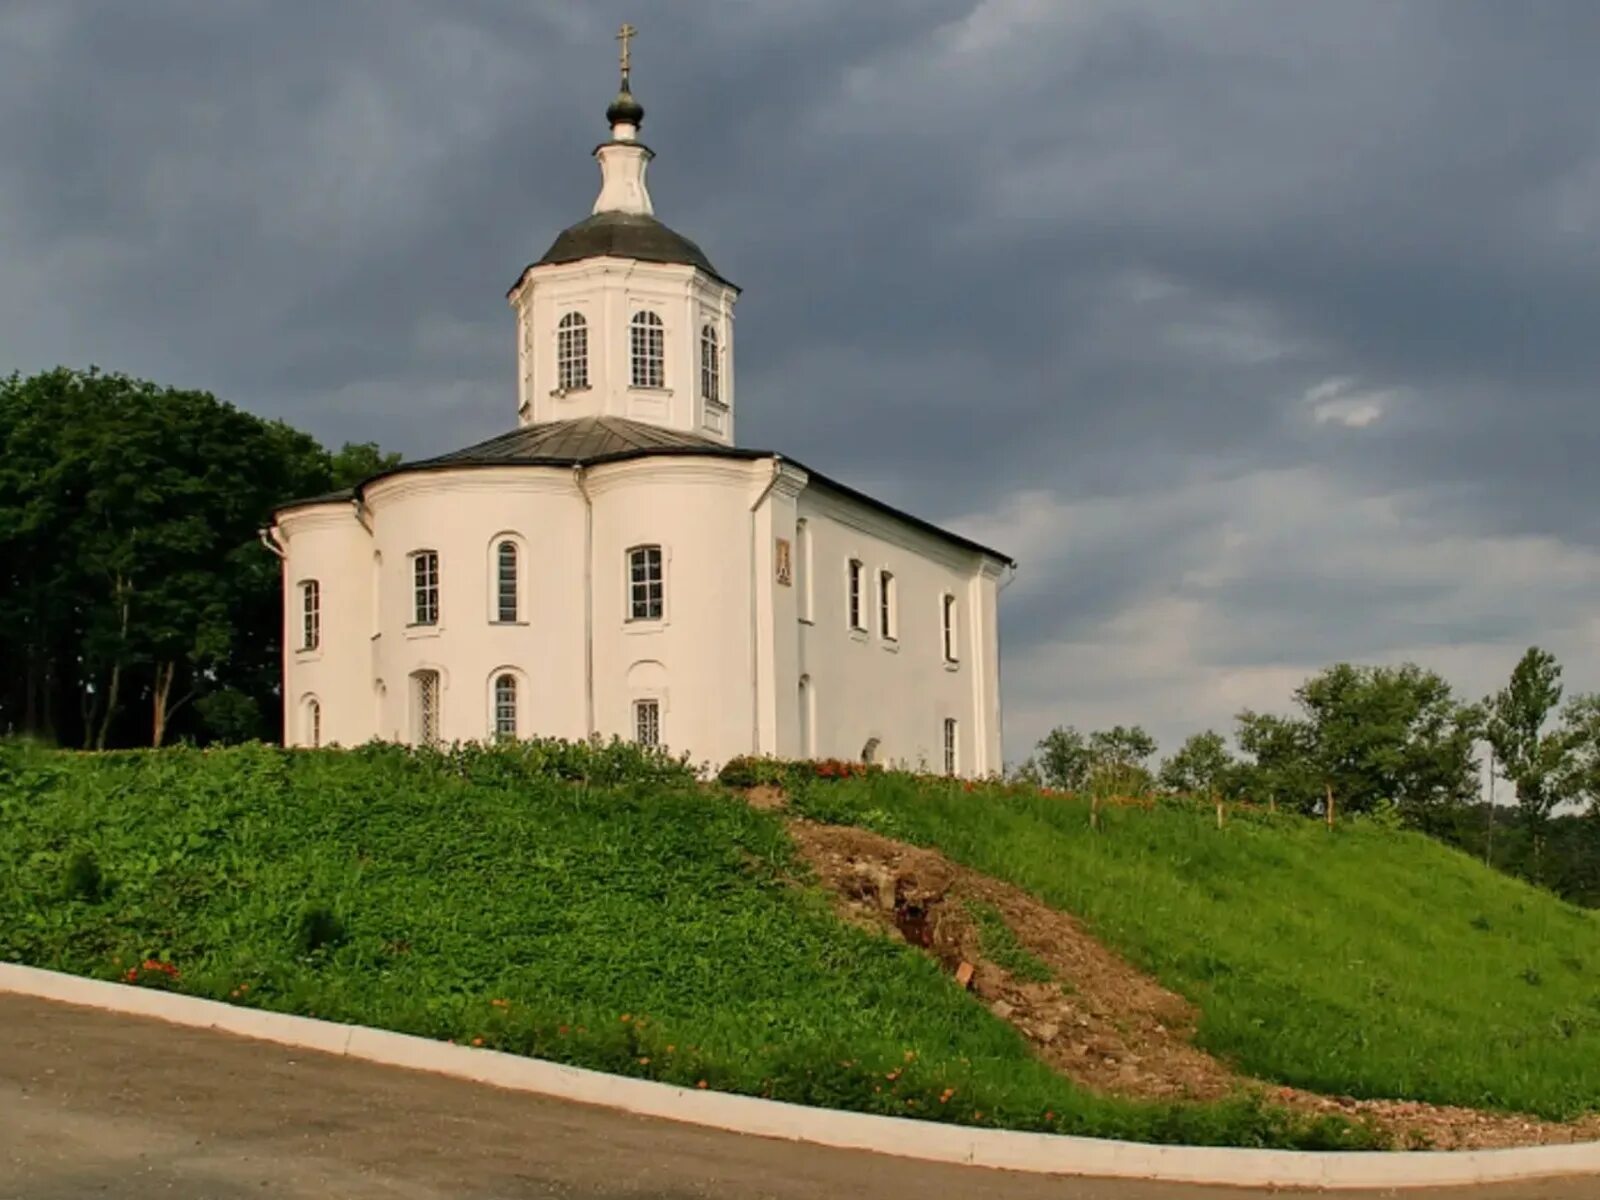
<point x="619" y="565"/>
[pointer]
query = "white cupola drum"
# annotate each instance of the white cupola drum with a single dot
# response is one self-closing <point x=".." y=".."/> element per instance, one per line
<point x="623" y="316"/>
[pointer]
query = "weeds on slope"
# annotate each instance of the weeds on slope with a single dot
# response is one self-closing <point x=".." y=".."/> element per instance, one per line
<point x="582" y="906"/>
<point x="1357" y="961"/>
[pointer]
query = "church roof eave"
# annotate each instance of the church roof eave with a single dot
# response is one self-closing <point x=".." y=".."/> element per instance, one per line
<point x="597" y="441"/>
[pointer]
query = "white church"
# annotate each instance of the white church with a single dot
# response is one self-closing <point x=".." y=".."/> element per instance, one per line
<point x="618" y="565"/>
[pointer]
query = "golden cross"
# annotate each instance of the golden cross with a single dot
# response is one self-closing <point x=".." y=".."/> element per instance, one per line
<point x="626" y="32"/>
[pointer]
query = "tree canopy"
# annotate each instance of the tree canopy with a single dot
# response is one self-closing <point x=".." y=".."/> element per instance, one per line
<point x="136" y="599"/>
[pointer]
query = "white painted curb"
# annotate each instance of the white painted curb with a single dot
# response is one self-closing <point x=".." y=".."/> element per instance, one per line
<point x="1036" y="1153"/>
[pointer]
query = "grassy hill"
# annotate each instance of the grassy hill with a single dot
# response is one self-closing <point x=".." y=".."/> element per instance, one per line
<point x="1364" y="961"/>
<point x="600" y="907"/>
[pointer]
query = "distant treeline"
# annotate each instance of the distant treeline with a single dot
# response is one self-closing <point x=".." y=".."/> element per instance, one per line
<point x="137" y="604"/>
<point x="1390" y="744"/>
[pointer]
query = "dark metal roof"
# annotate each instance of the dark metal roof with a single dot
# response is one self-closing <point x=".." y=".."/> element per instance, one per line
<point x="624" y="235"/>
<point x="585" y="441"/>
<point x="341" y="496"/>
<point x="580" y="440"/>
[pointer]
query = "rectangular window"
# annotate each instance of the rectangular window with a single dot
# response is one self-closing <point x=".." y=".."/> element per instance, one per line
<point x="646" y="587"/>
<point x="949" y="745"/>
<point x="310" y="615"/>
<point x="886" y="626"/>
<point x="647" y="722"/>
<point x="572" y="353"/>
<point x="425" y="695"/>
<point x="506" y="581"/>
<point x="856" y="619"/>
<point x="425" y="587"/>
<point x="948" y="620"/>
<point x="802" y="567"/>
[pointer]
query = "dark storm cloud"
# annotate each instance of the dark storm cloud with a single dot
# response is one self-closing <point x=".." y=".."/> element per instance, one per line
<point x="1119" y="259"/>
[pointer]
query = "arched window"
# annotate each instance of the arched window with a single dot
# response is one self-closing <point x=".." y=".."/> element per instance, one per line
<point x="505" y="706"/>
<point x="572" y="352"/>
<point x="948" y="622"/>
<point x="710" y="365"/>
<point x="869" y="752"/>
<point x="649" y="354"/>
<point x="313" y="721"/>
<point x="505" y="581"/>
<point x="310" y="614"/>
<point x="425" y="714"/>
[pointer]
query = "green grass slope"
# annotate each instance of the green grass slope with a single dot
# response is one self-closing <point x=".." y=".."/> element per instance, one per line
<point x="1363" y="961"/>
<point x="593" y="907"/>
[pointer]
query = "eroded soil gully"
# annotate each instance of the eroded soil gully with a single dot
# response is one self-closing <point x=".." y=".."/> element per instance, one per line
<point x="1100" y="1021"/>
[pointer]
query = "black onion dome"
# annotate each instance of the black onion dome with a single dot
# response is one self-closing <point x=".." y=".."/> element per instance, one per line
<point x="625" y="109"/>
<point x="626" y="235"/>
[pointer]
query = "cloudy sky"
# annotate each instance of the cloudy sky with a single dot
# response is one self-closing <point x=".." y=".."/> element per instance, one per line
<point x="1264" y="335"/>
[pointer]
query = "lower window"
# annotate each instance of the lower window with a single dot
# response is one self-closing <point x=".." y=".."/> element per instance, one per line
<point x="949" y="745"/>
<point x="647" y="722"/>
<point x="425" y="707"/>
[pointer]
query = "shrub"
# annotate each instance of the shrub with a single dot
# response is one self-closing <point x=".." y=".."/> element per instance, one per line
<point x="84" y="879"/>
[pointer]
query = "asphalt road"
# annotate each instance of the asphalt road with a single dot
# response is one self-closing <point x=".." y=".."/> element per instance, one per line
<point x="96" y="1105"/>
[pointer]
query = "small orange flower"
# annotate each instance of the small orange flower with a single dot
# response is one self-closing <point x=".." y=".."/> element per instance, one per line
<point x="477" y="1041"/>
<point x="626" y="1018"/>
<point x="701" y="1084"/>
<point x="645" y="1061"/>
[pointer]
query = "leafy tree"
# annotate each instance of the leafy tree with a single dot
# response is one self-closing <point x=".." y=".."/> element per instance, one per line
<point x="1282" y="768"/>
<point x="1580" y="731"/>
<point x="355" y="462"/>
<point x="1117" y="758"/>
<point x="1366" y="736"/>
<point x="131" y="577"/>
<point x="1202" y="766"/>
<point x="1062" y="759"/>
<point x="1537" y="760"/>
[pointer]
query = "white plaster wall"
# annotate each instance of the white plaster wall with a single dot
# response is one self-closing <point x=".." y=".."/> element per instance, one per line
<point x="697" y="659"/>
<point x="463" y="515"/>
<point x="897" y="690"/>
<point x="725" y="661"/>
<point x="322" y="542"/>
<point x="608" y="291"/>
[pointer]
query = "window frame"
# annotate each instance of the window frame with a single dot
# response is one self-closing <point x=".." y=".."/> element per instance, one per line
<point x="311" y="717"/>
<point x="948" y="626"/>
<point x="499" y="706"/>
<point x="630" y="585"/>
<point x="855" y="601"/>
<point x="711" y="365"/>
<point x="425" y="589"/>
<point x="427" y="719"/>
<point x="310" y="615"/>
<point x="805" y="602"/>
<point x="647" y="351"/>
<point x="888" y="606"/>
<point x="572" y="353"/>
<point x="644" y="706"/>
<point x="501" y="544"/>
<point x="952" y="743"/>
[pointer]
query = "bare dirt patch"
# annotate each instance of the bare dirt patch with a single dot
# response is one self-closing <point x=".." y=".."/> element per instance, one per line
<point x="1100" y="1021"/>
